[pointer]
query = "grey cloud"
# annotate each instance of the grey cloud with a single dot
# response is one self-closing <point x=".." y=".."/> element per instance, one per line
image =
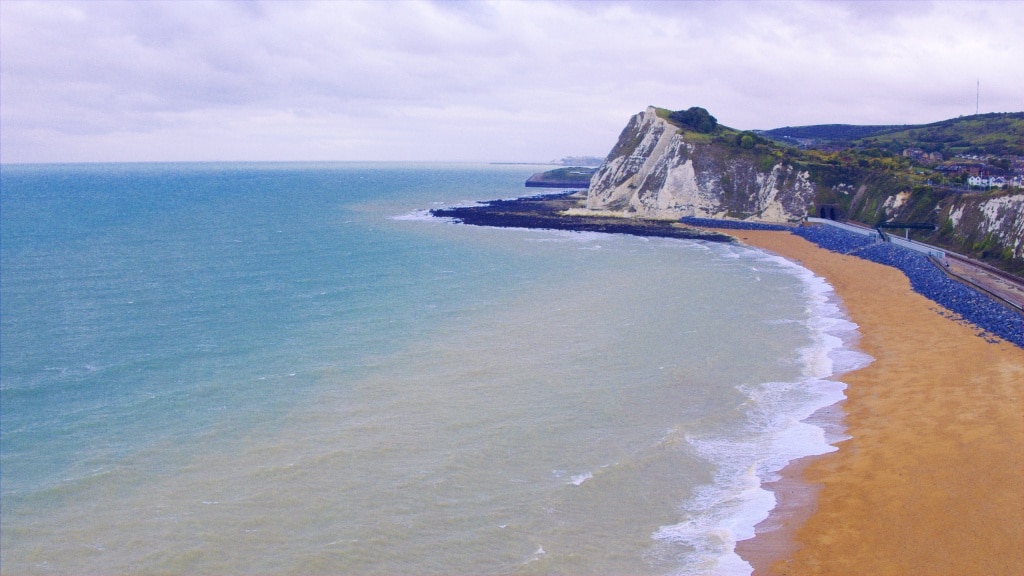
<point x="463" y="81"/>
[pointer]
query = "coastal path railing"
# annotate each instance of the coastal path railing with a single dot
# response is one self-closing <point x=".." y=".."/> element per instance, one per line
<point x="861" y="230"/>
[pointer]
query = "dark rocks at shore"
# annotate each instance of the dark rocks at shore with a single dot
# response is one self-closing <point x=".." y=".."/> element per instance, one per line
<point x="545" y="212"/>
<point x="929" y="281"/>
<point x="925" y="279"/>
<point x="732" y="224"/>
<point x="834" y="239"/>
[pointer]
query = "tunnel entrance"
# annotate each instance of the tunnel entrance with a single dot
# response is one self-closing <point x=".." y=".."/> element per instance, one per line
<point x="828" y="212"/>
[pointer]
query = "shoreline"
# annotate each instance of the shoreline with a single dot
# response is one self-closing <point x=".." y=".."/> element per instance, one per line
<point x="931" y="480"/>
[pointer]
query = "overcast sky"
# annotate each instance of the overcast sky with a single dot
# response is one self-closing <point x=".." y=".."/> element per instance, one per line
<point x="474" y="81"/>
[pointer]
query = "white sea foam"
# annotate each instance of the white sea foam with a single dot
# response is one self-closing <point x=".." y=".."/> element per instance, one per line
<point x="423" y="214"/>
<point x="579" y="479"/>
<point x="415" y="215"/>
<point x="725" y="512"/>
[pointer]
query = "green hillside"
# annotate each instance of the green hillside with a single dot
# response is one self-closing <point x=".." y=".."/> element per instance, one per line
<point x="997" y="134"/>
<point x="827" y="132"/>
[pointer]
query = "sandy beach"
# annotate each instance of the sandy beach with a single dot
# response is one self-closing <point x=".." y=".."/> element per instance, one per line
<point x="932" y="480"/>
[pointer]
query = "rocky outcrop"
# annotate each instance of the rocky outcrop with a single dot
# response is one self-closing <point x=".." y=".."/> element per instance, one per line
<point x="656" y="170"/>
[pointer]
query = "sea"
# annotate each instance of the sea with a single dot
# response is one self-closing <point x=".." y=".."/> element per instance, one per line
<point x="261" y="368"/>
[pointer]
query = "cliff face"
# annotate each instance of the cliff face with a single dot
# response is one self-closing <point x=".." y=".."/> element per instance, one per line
<point x="989" y="224"/>
<point x="654" y="171"/>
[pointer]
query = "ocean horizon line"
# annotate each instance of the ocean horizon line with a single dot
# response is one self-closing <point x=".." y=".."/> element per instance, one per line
<point x="281" y="162"/>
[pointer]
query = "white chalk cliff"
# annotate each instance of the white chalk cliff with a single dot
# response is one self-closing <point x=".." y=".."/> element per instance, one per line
<point x="998" y="220"/>
<point x="654" y="171"/>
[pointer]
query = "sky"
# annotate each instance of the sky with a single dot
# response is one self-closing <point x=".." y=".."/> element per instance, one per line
<point x="507" y="81"/>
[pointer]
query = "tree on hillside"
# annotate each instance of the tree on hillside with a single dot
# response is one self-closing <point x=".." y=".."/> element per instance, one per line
<point x="696" y="119"/>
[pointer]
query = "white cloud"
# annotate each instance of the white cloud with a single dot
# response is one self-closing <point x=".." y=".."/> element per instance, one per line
<point x="473" y="81"/>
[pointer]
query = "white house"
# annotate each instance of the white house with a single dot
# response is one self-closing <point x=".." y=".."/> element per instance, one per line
<point x="987" y="181"/>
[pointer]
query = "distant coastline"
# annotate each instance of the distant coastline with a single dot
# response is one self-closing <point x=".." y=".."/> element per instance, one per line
<point x="523" y="163"/>
<point x="573" y="177"/>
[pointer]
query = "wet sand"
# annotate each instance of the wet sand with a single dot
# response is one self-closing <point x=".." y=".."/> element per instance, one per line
<point x="932" y="480"/>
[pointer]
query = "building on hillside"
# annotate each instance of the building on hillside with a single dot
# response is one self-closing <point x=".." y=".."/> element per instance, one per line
<point x="922" y="156"/>
<point x="989" y="182"/>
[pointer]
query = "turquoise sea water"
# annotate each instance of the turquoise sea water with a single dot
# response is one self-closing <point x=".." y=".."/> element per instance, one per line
<point x="260" y="368"/>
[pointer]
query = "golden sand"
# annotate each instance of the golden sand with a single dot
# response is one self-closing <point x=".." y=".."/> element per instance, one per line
<point x="932" y="481"/>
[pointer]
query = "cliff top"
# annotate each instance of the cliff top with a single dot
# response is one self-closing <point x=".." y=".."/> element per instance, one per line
<point x="994" y="134"/>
